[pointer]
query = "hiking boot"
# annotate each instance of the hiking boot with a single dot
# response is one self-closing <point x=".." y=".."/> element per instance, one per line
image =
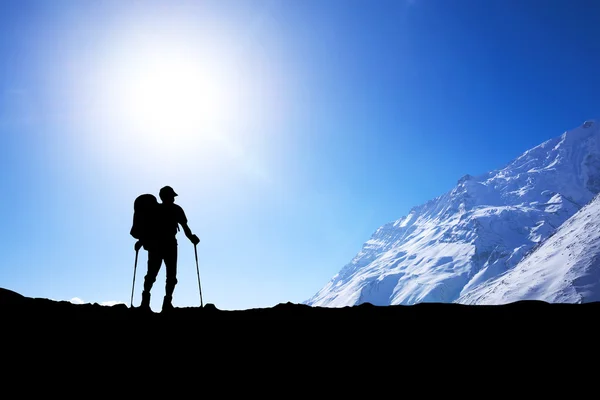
<point x="167" y="306"/>
<point x="145" y="306"/>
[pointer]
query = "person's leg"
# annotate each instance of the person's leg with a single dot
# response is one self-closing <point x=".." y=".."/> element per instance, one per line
<point x="170" y="257"/>
<point x="154" y="264"/>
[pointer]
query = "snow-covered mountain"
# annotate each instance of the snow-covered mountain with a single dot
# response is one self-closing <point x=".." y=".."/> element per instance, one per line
<point x="452" y="247"/>
<point x="565" y="268"/>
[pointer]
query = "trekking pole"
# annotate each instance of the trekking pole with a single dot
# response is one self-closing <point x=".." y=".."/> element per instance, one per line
<point x="198" y="272"/>
<point x="134" y="268"/>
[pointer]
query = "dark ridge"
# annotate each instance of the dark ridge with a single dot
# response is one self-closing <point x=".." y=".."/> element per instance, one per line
<point x="446" y="317"/>
<point x="292" y="347"/>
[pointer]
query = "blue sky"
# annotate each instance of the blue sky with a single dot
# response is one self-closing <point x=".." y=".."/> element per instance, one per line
<point x="291" y="130"/>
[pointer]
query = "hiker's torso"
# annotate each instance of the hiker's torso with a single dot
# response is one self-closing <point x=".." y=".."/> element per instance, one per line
<point x="169" y="216"/>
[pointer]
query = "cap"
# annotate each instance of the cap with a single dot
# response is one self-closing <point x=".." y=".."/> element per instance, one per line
<point x="167" y="190"/>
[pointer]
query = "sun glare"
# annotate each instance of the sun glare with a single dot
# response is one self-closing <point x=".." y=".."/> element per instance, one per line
<point x="171" y="100"/>
<point x="177" y="98"/>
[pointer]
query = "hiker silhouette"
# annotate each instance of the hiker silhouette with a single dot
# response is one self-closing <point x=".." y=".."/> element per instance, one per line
<point x="155" y="225"/>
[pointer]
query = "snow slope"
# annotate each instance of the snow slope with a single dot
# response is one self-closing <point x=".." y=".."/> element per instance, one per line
<point x="477" y="231"/>
<point x="563" y="269"/>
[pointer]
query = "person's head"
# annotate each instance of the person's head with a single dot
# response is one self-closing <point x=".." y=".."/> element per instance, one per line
<point x="167" y="194"/>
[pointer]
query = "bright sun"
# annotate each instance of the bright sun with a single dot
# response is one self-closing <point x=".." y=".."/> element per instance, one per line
<point x="171" y="101"/>
<point x="176" y="96"/>
<point x="166" y="101"/>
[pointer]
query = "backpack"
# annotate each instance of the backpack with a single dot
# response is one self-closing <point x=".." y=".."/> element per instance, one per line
<point x="145" y="218"/>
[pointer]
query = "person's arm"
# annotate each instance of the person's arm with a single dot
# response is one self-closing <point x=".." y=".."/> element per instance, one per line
<point x="188" y="233"/>
<point x="186" y="229"/>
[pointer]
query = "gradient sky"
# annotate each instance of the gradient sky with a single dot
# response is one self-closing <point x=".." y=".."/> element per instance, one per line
<point x="291" y="130"/>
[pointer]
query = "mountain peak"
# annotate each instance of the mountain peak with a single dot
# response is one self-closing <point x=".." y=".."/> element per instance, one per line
<point x="465" y="178"/>
<point x="588" y="124"/>
<point x="476" y="231"/>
